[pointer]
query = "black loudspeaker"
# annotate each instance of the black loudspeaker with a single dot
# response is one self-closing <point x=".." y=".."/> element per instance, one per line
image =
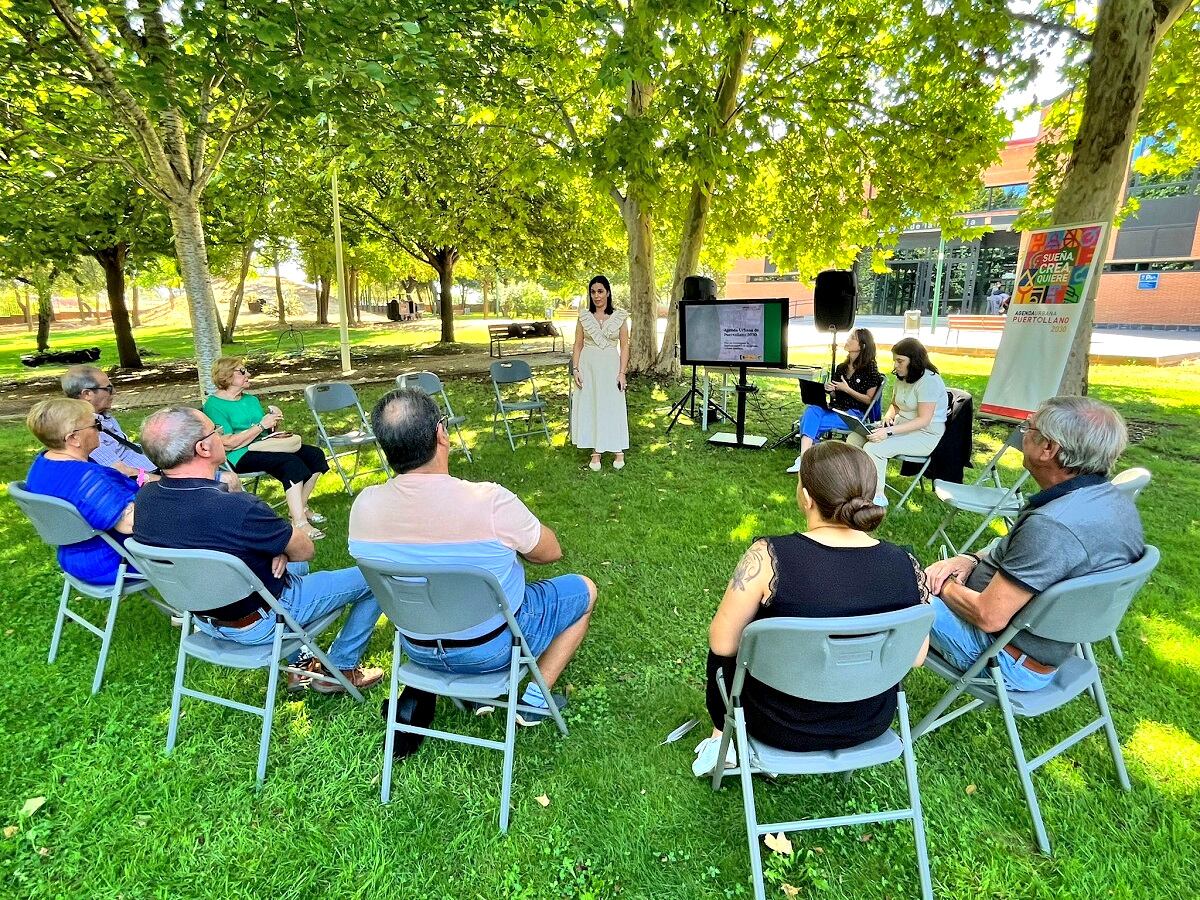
<point x="697" y="287"/>
<point x="834" y="298"/>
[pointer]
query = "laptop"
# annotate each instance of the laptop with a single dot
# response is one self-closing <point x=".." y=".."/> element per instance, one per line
<point x="853" y="423"/>
<point x="813" y="393"/>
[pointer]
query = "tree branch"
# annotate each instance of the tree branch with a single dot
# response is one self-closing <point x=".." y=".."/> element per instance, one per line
<point x="1057" y="28"/>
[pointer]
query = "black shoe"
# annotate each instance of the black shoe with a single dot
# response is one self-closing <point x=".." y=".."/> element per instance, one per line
<point x="414" y="707"/>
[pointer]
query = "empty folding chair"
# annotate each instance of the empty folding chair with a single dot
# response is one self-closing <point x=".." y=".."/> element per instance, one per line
<point x="511" y="374"/>
<point x="1077" y="611"/>
<point x="192" y="580"/>
<point x="59" y="524"/>
<point x="426" y="602"/>
<point x="991" y="501"/>
<point x="432" y="385"/>
<point x="337" y="397"/>
<point x="1131" y="483"/>
<point x="832" y="660"/>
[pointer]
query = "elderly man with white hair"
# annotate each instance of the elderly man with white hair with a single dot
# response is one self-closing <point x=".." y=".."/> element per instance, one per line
<point x="1078" y="524"/>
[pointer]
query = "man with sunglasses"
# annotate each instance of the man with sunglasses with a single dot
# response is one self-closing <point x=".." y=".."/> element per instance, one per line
<point x="1078" y="524"/>
<point x="116" y="450"/>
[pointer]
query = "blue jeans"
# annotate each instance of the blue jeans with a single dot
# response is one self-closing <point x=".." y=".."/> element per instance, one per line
<point x="308" y="596"/>
<point x="816" y="420"/>
<point x="962" y="643"/>
<point x="550" y="607"/>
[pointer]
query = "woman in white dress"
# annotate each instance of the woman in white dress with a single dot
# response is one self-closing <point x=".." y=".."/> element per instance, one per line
<point x="598" y="419"/>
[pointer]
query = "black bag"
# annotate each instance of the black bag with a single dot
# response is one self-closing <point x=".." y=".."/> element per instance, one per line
<point x="413" y="707"/>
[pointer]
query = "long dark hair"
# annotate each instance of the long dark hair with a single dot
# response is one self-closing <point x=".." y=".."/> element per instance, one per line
<point x="866" y="352"/>
<point x="918" y="358"/>
<point x="600" y="279"/>
<point x="842" y="480"/>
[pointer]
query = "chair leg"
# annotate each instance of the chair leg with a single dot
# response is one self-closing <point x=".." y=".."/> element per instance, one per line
<point x="941" y="530"/>
<point x="508" y="430"/>
<point x="109" y="622"/>
<point x="1110" y="730"/>
<point x="536" y="674"/>
<point x="264" y="742"/>
<point x="1014" y="738"/>
<point x="743" y="751"/>
<point x="510" y="736"/>
<point x="913" y="485"/>
<point x="177" y="691"/>
<point x="59" y="619"/>
<point x="914" y="799"/>
<point x="389" y="742"/>
<point x="462" y="442"/>
<point x="1116" y="645"/>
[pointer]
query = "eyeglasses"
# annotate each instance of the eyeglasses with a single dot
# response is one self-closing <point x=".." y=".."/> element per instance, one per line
<point x="242" y="371"/>
<point x="95" y="424"/>
<point x="216" y="430"/>
<point x="444" y="421"/>
<point x="1025" y="427"/>
<point x="107" y="387"/>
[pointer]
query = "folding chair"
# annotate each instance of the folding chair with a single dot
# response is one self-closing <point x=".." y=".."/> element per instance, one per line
<point x="515" y="372"/>
<point x="989" y="501"/>
<point x="1131" y="483"/>
<point x="59" y="524"/>
<point x="251" y="482"/>
<point x="923" y="462"/>
<point x="424" y="602"/>
<point x="1077" y="611"/>
<point x="333" y="397"/>
<point x="874" y="414"/>
<point x="832" y="660"/>
<point x="432" y="385"/>
<point x="192" y="580"/>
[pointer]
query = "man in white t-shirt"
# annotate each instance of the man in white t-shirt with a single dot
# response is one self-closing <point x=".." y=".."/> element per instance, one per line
<point x="425" y="516"/>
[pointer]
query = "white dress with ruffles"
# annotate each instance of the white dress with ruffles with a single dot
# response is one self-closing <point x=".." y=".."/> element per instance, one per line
<point x="599" y="421"/>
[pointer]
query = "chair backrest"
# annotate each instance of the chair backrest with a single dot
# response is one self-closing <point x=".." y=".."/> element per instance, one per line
<point x="192" y="580"/>
<point x="422" y="381"/>
<point x="330" y="396"/>
<point x="833" y="660"/>
<point x="56" y="521"/>
<point x="875" y="413"/>
<point x="1014" y="441"/>
<point x="1089" y="608"/>
<point x="430" y="601"/>
<point x="511" y="371"/>
<point x="1131" y="482"/>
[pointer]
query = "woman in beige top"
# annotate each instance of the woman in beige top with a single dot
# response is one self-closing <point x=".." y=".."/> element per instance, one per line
<point x="599" y="421"/>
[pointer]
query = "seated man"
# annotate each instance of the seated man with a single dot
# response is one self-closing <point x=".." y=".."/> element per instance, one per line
<point x="1077" y="525"/>
<point x="426" y="516"/>
<point x="186" y="510"/>
<point x="115" y="450"/>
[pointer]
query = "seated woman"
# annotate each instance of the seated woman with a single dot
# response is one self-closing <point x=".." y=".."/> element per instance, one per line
<point x="70" y="431"/>
<point x="835" y="568"/>
<point x="852" y="389"/>
<point x="246" y="433"/>
<point x="916" y="418"/>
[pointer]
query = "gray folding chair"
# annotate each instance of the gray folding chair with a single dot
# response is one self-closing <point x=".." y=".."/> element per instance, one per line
<point x="511" y="373"/>
<point x="192" y="580"/>
<point x="923" y="462"/>
<point x="1131" y="483"/>
<point x="251" y="481"/>
<point x="992" y="502"/>
<point x="833" y="660"/>
<point x="59" y="524"/>
<point x="1077" y="611"/>
<point x="432" y="385"/>
<point x="424" y="602"/>
<point x="336" y="397"/>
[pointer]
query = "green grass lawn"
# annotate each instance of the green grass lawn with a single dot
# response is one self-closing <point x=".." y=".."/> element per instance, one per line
<point x="626" y="818"/>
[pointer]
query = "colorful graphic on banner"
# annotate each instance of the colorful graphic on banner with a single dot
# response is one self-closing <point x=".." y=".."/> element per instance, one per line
<point x="1053" y="277"/>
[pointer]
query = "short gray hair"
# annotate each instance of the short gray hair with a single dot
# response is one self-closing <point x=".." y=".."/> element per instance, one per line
<point x="170" y="435"/>
<point x="78" y="379"/>
<point x="1090" y="434"/>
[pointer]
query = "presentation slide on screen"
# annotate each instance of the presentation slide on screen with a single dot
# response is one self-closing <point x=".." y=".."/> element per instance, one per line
<point x="733" y="333"/>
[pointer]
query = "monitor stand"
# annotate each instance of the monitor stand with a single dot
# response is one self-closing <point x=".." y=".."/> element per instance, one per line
<point x="740" y="438"/>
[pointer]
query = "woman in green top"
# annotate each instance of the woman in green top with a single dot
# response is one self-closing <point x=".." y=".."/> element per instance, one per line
<point x="246" y="425"/>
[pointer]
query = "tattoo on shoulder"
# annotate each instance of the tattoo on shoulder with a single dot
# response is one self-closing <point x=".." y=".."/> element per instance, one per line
<point x="749" y="568"/>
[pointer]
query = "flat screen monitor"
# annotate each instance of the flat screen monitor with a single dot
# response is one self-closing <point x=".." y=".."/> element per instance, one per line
<point x="734" y="333"/>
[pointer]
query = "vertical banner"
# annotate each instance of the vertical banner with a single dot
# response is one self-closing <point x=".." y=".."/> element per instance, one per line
<point x="1053" y="277"/>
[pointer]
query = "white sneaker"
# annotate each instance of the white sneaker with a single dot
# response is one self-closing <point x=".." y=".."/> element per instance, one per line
<point x="880" y="500"/>
<point x="795" y="467"/>
<point x="706" y="756"/>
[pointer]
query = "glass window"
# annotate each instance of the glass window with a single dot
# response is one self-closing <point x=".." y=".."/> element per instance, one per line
<point x="1008" y="196"/>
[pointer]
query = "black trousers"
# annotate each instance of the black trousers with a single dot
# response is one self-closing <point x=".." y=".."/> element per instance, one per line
<point x="287" y="468"/>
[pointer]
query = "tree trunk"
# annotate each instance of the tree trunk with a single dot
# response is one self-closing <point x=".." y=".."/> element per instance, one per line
<point x="99" y="308"/>
<point x="25" y="310"/>
<point x="322" y="300"/>
<point x="443" y="261"/>
<point x="187" y="224"/>
<point x="137" y="319"/>
<point x="112" y="260"/>
<point x="239" y="294"/>
<point x="83" y="307"/>
<point x="643" y="301"/>
<point x="279" y="292"/>
<point x="1093" y="188"/>
<point x="43" y="285"/>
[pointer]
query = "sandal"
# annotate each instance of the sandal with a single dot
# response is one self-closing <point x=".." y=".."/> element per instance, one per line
<point x="314" y="533"/>
<point x="315" y="517"/>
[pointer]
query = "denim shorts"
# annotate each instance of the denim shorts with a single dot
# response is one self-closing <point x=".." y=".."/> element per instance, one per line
<point x="961" y="643"/>
<point x="550" y="607"/>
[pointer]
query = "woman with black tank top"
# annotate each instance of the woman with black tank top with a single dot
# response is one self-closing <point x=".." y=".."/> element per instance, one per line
<point x="835" y="568"/>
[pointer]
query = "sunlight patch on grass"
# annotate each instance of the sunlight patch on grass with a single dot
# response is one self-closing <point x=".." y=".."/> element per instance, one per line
<point x="1171" y="755"/>
<point x="1172" y="643"/>
<point x="746" y="529"/>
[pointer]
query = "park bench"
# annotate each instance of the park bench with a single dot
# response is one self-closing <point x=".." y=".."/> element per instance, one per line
<point x="973" y="323"/>
<point x="522" y="331"/>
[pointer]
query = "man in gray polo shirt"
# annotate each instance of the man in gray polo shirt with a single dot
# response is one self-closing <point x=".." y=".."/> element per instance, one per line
<point x="1076" y="525"/>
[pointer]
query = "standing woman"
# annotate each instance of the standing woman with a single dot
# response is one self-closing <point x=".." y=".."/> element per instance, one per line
<point x="248" y="433"/>
<point x="853" y="388"/>
<point x="599" y="421"/>
<point x="916" y="418"/>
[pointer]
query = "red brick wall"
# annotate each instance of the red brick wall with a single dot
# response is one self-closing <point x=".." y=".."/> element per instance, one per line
<point x="1176" y="300"/>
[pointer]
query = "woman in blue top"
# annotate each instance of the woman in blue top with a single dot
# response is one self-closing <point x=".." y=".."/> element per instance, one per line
<point x="70" y="432"/>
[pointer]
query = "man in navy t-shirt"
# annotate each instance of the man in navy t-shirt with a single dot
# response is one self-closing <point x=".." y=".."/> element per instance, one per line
<point x="187" y="510"/>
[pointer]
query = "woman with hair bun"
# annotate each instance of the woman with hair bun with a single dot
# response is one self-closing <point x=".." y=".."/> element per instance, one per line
<point x="833" y="569"/>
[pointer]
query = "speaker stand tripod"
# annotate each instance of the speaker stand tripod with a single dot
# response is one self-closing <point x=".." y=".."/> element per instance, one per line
<point x="687" y="404"/>
<point x="795" y="432"/>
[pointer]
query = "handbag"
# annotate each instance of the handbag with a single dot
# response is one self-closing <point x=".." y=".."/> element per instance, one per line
<point x="283" y="443"/>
